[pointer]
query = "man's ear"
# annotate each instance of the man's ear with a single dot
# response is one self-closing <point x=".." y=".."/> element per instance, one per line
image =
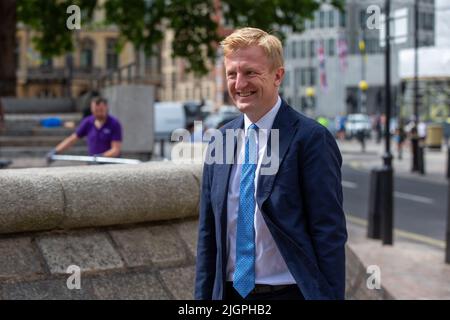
<point x="279" y="76"/>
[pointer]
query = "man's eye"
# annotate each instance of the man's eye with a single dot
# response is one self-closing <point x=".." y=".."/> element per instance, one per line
<point x="231" y="75"/>
<point x="251" y="73"/>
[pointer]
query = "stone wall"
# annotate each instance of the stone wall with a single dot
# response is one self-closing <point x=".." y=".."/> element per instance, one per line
<point x="87" y="196"/>
<point x="138" y="236"/>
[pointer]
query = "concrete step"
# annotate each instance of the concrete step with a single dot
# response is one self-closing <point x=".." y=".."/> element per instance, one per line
<point x="35" y="152"/>
<point x="30" y="124"/>
<point x="37" y="132"/>
<point x="38" y="105"/>
<point x="33" y="141"/>
<point x="37" y="117"/>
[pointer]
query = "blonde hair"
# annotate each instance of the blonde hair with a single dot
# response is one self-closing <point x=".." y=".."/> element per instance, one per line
<point x="247" y="37"/>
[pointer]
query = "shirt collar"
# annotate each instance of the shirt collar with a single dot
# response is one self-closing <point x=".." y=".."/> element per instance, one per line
<point x="267" y="120"/>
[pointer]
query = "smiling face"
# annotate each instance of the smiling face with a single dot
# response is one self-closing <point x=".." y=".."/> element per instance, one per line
<point x="252" y="81"/>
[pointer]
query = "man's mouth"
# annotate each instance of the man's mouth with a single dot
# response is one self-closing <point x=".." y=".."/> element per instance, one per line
<point x="245" y="94"/>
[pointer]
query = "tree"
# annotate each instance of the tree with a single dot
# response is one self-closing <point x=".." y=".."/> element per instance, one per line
<point x="7" y="47"/>
<point x="142" y="22"/>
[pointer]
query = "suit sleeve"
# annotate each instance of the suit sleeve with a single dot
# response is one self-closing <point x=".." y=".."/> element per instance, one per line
<point x="206" y="247"/>
<point x="324" y="205"/>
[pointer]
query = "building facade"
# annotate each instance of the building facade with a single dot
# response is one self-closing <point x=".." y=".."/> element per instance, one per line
<point x="326" y="63"/>
<point x="95" y="56"/>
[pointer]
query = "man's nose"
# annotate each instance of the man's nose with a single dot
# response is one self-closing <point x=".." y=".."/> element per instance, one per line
<point x="241" y="81"/>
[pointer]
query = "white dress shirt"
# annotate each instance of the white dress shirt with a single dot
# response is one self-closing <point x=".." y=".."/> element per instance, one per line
<point x="270" y="267"/>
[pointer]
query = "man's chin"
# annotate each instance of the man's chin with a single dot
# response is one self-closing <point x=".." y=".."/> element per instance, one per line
<point x="244" y="107"/>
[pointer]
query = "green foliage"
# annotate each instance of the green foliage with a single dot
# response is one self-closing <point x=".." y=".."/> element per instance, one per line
<point x="143" y="22"/>
<point x="48" y="18"/>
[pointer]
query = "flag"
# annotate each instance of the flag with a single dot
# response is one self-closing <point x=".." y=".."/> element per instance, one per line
<point x="322" y="70"/>
<point x="342" y="52"/>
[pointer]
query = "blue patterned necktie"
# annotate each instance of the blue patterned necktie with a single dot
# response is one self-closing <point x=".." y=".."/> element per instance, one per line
<point x="244" y="274"/>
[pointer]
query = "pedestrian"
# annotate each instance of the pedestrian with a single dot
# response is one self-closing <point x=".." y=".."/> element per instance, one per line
<point x="361" y="137"/>
<point x="340" y="124"/>
<point x="277" y="235"/>
<point x="400" y="137"/>
<point x="422" y="131"/>
<point x="103" y="133"/>
<point x="378" y="129"/>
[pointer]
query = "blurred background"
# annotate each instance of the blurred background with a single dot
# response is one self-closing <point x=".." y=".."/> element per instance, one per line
<point x="159" y="65"/>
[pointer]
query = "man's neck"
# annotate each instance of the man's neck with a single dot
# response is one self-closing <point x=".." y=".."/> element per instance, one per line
<point x="99" y="122"/>
<point x="254" y="117"/>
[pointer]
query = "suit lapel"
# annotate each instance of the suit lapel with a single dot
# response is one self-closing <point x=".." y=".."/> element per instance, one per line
<point x="222" y="173"/>
<point x="284" y="122"/>
<point x="223" y="170"/>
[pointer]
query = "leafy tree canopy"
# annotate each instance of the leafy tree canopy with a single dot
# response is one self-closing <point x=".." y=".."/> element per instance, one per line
<point x="142" y="22"/>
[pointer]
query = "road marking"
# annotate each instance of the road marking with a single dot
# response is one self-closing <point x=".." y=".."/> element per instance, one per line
<point x="349" y="184"/>
<point x="402" y="233"/>
<point x="397" y="194"/>
<point x="413" y="197"/>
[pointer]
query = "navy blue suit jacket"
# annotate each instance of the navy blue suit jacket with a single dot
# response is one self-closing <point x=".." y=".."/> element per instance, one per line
<point x="301" y="205"/>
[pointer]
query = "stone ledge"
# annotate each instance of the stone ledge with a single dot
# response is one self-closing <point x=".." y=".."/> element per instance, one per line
<point x="91" y="196"/>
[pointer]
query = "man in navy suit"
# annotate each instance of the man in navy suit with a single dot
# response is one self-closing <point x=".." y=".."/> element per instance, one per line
<point x="271" y="222"/>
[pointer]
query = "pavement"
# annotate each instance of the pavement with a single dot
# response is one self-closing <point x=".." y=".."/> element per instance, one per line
<point x="409" y="270"/>
<point x="414" y="266"/>
<point x="435" y="160"/>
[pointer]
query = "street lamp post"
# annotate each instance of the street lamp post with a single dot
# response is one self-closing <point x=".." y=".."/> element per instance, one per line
<point x="380" y="218"/>
<point x="387" y="183"/>
<point x="415" y="138"/>
<point x="363" y="86"/>
<point x="310" y="93"/>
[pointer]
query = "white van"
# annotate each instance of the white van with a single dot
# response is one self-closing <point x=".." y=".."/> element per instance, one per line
<point x="169" y="116"/>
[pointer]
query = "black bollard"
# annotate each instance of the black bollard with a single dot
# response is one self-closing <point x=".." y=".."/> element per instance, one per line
<point x="415" y="155"/>
<point x="448" y="161"/>
<point x="374" y="214"/>
<point x="421" y="159"/>
<point x="447" y="234"/>
<point x="387" y="205"/>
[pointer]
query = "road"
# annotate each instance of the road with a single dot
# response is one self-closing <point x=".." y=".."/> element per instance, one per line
<point x="420" y="207"/>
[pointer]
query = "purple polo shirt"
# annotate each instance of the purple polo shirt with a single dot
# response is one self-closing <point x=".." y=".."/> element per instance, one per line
<point x="99" y="140"/>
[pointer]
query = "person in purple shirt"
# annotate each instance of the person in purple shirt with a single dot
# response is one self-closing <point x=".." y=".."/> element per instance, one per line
<point x="102" y="131"/>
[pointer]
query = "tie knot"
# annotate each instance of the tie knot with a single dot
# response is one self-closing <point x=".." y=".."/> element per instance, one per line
<point x="253" y="127"/>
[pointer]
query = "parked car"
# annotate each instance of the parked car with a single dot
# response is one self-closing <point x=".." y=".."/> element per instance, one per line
<point x="224" y="115"/>
<point x="169" y="116"/>
<point x="356" y="122"/>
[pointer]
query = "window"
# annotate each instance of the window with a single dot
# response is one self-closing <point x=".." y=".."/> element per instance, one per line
<point x="429" y="21"/>
<point x="287" y="78"/>
<point x="287" y="50"/>
<point x="87" y="54"/>
<point x="299" y="48"/>
<point x="312" y="77"/>
<point x="373" y="46"/>
<point x="331" y="47"/>
<point x="112" y="58"/>
<point x="293" y="48"/>
<point x="311" y="48"/>
<point x="315" y="23"/>
<point x="302" y="77"/>
<point x="331" y="18"/>
<point x="362" y="18"/>
<point x="342" y="19"/>
<point x="297" y="76"/>
<point x="322" y="19"/>
<point x="302" y="49"/>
